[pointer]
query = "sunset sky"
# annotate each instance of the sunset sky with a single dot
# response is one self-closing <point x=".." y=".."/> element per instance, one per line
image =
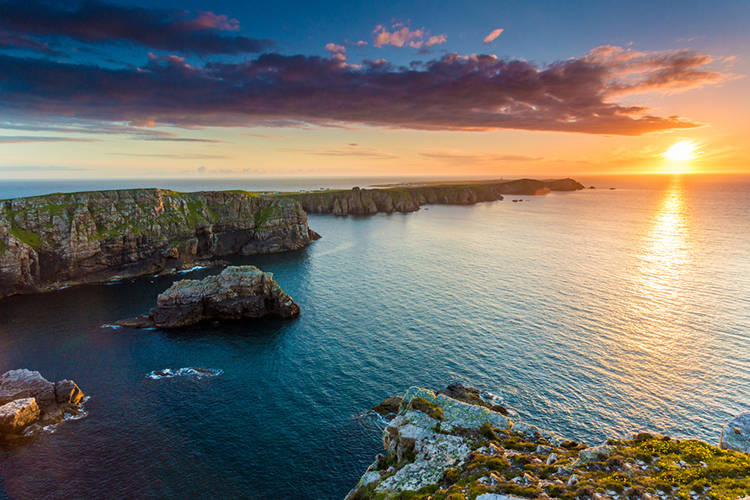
<point x="245" y="89"/>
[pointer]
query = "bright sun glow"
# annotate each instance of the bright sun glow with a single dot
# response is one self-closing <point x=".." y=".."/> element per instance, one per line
<point x="681" y="151"/>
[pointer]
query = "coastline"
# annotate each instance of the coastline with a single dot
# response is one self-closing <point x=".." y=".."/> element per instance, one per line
<point x="63" y="239"/>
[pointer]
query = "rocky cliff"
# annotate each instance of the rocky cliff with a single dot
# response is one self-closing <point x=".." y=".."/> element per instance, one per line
<point x="59" y="239"/>
<point x="409" y="198"/>
<point x="465" y="444"/>
<point x="239" y="292"/>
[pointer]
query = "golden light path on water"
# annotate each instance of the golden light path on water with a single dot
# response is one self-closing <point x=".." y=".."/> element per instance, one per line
<point x="666" y="251"/>
<point x="654" y="350"/>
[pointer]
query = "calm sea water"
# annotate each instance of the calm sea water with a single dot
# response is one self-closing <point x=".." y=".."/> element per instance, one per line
<point x="594" y="313"/>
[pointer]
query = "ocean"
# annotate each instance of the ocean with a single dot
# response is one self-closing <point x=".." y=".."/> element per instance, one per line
<point x="595" y="313"/>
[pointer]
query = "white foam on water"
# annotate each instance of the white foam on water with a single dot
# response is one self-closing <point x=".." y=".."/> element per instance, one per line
<point x="81" y="413"/>
<point x="113" y="327"/>
<point x="184" y="372"/>
<point x="194" y="268"/>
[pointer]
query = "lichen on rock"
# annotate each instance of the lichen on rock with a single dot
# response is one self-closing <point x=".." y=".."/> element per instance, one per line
<point x="442" y="448"/>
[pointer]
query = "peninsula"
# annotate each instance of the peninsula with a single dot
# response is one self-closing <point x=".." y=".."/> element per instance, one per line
<point x="51" y="241"/>
<point x="406" y="198"/>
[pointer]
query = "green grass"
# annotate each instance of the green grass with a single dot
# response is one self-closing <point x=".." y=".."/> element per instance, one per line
<point x="29" y="237"/>
<point x="431" y="409"/>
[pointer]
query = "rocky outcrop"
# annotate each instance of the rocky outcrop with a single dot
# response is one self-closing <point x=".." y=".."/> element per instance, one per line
<point x="61" y="239"/>
<point x="239" y="292"/>
<point x="29" y="401"/>
<point x="463" y="443"/>
<point x="409" y="198"/>
<point x="736" y="434"/>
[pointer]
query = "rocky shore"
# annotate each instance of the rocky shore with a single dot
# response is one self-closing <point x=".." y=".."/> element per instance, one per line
<point x="409" y="198"/>
<point x="462" y="443"/>
<point x="28" y="402"/>
<point x="61" y="239"/>
<point x="239" y="292"/>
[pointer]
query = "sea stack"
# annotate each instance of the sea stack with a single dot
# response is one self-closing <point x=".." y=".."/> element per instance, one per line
<point x="238" y="292"/>
<point x="28" y="401"/>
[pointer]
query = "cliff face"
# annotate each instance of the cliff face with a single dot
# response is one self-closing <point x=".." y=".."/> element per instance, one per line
<point x="48" y="241"/>
<point x="464" y="444"/>
<point x="409" y="198"/>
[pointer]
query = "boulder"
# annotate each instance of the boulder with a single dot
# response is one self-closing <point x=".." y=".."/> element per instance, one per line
<point x="27" y="398"/>
<point x="17" y="415"/>
<point x="735" y="435"/>
<point x="239" y="292"/>
<point x="17" y="384"/>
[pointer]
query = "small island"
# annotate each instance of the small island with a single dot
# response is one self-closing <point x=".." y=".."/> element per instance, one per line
<point x="238" y="292"/>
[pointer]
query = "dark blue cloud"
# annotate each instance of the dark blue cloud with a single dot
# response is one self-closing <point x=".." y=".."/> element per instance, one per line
<point x="97" y="22"/>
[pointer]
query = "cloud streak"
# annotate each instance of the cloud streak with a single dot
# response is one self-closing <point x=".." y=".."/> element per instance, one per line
<point x="23" y="139"/>
<point x="95" y="22"/>
<point x="493" y="35"/>
<point x="453" y="92"/>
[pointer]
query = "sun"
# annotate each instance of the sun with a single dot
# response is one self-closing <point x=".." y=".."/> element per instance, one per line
<point x="680" y="151"/>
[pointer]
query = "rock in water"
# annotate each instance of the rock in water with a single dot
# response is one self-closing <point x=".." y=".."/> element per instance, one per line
<point x="736" y="434"/>
<point x="17" y="415"/>
<point x="239" y="292"/>
<point x="27" y="398"/>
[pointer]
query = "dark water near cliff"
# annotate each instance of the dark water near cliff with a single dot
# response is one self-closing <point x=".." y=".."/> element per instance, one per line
<point x="593" y="313"/>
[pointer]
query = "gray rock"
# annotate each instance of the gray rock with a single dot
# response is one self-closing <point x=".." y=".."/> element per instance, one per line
<point x="735" y="435"/>
<point x="23" y="383"/>
<point x="239" y="292"/>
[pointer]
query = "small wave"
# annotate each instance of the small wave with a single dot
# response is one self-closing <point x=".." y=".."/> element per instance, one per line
<point x="113" y="327"/>
<point x="184" y="372"/>
<point x="194" y="268"/>
<point x="337" y="249"/>
<point x="79" y="414"/>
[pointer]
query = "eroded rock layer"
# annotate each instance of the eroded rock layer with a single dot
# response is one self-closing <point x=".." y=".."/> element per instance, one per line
<point x="54" y="240"/>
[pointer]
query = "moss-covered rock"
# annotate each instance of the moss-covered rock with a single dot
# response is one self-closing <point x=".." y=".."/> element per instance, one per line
<point x="474" y="452"/>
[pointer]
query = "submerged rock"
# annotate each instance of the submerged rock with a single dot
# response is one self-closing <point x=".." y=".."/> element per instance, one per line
<point x="736" y="434"/>
<point x="27" y="399"/>
<point x="455" y="444"/>
<point x="238" y="292"/>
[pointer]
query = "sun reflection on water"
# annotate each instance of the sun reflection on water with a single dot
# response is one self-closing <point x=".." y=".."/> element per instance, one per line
<point x="652" y="342"/>
<point x="666" y="250"/>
